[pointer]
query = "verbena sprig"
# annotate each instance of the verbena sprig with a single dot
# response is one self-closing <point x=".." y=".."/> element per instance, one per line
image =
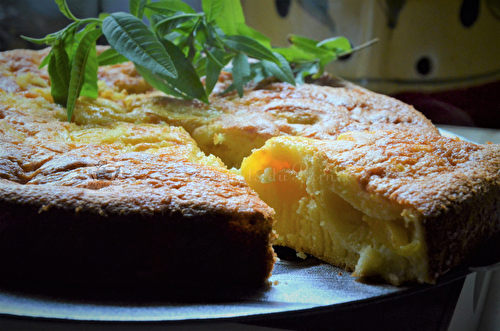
<point x="176" y="49"/>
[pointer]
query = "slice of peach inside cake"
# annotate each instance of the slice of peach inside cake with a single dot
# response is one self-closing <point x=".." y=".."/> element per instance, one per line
<point x="398" y="205"/>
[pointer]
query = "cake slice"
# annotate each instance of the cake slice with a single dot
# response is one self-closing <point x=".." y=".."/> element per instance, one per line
<point x="400" y="205"/>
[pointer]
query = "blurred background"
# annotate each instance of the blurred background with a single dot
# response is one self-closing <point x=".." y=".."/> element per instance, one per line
<point x="443" y="56"/>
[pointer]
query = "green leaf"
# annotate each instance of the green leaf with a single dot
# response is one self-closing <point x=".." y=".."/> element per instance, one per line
<point x="58" y="88"/>
<point x="78" y="69"/>
<point x="102" y="16"/>
<point x="283" y="72"/>
<point x="110" y="56"/>
<point x="131" y="38"/>
<point x="258" y="72"/>
<point x="188" y="83"/>
<point x="62" y="62"/>
<point x="231" y="21"/>
<point x="325" y="60"/>
<point x="212" y="8"/>
<point x="73" y="38"/>
<point x="252" y="33"/>
<point x="214" y="67"/>
<point x="295" y="54"/>
<point x="45" y="40"/>
<point x="309" y="46"/>
<point x="174" y="37"/>
<point x="241" y="72"/>
<point x="63" y="7"/>
<point x="201" y="35"/>
<point x="137" y="7"/>
<point x="306" y="69"/>
<point x="45" y="61"/>
<point x="156" y="81"/>
<point x="90" y="88"/>
<point x="51" y="38"/>
<point x="168" y="7"/>
<point x="166" y="25"/>
<point x="250" y="47"/>
<point x="337" y="44"/>
<point x="201" y="67"/>
<point x="214" y="37"/>
<point x="230" y="17"/>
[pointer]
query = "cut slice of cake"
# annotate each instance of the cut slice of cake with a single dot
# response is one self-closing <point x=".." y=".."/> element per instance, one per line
<point x="399" y="205"/>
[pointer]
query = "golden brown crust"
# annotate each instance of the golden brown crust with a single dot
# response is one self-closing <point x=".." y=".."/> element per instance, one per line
<point x="315" y="111"/>
<point x="123" y="77"/>
<point x="20" y="62"/>
<point x="431" y="173"/>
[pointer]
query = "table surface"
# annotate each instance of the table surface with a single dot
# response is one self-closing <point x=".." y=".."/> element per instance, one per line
<point x="487" y="318"/>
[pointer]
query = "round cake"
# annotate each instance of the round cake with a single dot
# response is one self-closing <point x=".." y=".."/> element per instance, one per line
<point x="144" y="189"/>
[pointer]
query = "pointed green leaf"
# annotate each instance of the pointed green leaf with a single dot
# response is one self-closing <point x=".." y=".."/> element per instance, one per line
<point x="241" y="72"/>
<point x="230" y="17"/>
<point x="201" y="66"/>
<point x="155" y="18"/>
<point x="168" y="7"/>
<point x="250" y="47"/>
<point x="78" y="69"/>
<point x="157" y="82"/>
<point x="188" y="83"/>
<point x="45" y="40"/>
<point x="72" y="38"/>
<point x="174" y="37"/>
<point x="306" y="69"/>
<point x="131" y="38"/>
<point x="166" y="25"/>
<point x="63" y="65"/>
<point x="63" y="7"/>
<point x="214" y="67"/>
<point x="136" y="7"/>
<point x="214" y="37"/>
<point x="283" y="72"/>
<point x="258" y="72"/>
<point x="212" y="8"/>
<point x="90" y="88"/>
<point x="337" y="44"/>
<point x="295" y="54"/>
<point x="58" y="89"/>
<point x="327" y="59"/>
<point x="110" y="56"/>
<point x="252" y="33"/>
<point x="45" y="61"/>
<point x="309" y="46"/>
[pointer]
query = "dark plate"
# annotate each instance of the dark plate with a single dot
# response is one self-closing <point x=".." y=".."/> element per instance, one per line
<point x="298" y="289"/>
